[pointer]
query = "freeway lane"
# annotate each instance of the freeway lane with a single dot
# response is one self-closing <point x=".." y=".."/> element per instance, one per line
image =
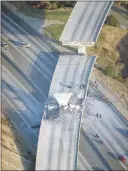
<point x="36" y="35"/>
<point x="121" y="15"/>
<point x="82" y="163"/>
<point x="30" y="59"/>
<point x="91" y="155"/>
<point x="59" y="136"/>
<point x="9" y="29"/>
<point x="110" y="129"/>
<point x="26" y="79"/>
<point x="18" y="35"/>
<point x="33" y="61"/>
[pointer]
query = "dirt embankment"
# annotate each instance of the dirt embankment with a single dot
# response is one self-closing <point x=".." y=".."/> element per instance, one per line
<point x="116" y="39"/>
<point x="14" y="155"/>
<point x="112" y="46"/>
<point x="112" y="49"/>
<point x="115" y="86"/>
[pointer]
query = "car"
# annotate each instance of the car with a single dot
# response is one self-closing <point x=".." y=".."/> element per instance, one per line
<point x="35" y="126"/>
<point x="25" y="44"/>
<point x="4" y="44"/>
<point x="122" y="158"/>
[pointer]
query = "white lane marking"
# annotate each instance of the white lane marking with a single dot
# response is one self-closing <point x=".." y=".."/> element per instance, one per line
<point x="34" y="40"/>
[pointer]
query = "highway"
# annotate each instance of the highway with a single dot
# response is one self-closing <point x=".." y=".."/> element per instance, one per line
<point x="26" y="79"/>
<point x="111" y="130"/>
<point x="27" y="74"/>
<point x="121" y="15"/>
<point x="60" y="135"/>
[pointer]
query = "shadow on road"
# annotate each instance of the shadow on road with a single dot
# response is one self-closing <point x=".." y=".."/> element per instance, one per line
<point x="22" y="107"/>
<point x="97" y="168"/>
<point x="98" y="141"/>
<point x="57" y="45"/>
<point x="122" y="131"/>
<point x="15" y="42"/>
<point x="23" y="134"/>
<point x="114" y="156"/>
<point x="91" y="134"/>
<point x="94" y="148"/>
<point x="120" y="10"/>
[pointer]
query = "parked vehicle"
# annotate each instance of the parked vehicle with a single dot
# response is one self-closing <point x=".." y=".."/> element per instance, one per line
<point x="122" y="158"/>
<point x="4" y="44"/>
<point x="25" y="44"/>
<point x="35" y="126"/>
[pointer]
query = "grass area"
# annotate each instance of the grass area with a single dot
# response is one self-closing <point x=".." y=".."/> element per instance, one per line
<point x="54" y="31"/>
<point x="61" y="15"/>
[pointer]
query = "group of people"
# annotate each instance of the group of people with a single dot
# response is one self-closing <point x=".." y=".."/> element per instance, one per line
<point x="98" y="115"/>
<point x="100" y="140"/>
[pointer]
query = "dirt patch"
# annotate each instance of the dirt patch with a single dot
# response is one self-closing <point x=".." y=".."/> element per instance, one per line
<point x="115" y="86"/>
<point x="10" y="141"/>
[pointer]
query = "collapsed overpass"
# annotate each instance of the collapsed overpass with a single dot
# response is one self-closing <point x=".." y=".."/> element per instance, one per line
<point x="30" y="99"/>
<point x="59" y="132"/>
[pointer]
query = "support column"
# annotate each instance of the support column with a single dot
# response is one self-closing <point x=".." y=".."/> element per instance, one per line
<point x="82" y="50"/>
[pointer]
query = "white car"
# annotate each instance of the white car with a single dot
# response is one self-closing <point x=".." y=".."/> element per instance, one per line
<point x="4" y="45"/>
<point x="25" y="44"/>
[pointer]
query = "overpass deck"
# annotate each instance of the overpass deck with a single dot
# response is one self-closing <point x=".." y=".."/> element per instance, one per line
<point x="60" y="126"/>
<point x="85" y="23"/>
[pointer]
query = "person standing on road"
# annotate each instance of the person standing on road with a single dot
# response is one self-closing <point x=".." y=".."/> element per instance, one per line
<point x="97" y="115"/>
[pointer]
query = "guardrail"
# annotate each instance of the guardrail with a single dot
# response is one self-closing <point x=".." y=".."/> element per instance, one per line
<point x="85" y="80"/>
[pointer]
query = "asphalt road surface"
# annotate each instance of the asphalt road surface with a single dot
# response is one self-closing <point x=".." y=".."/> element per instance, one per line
<point x="121" y="16"/>
<point x="26" y="78"/>
<point x="111" y="130"/>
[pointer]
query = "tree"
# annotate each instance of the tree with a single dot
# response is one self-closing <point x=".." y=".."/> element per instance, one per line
<point x="123" y="4"/>
<point x="110" y="70"/>
<point x="54" y="6"/>
<point x="49" y="5"/>
<point x="112" y="21"/>
<point x="70" y="3"/>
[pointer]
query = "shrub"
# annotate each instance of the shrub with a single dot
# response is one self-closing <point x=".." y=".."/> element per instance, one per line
<point x="114" y="56"/>
<point x="54" y="6"/>
<point x="112" y="21"/>
<point x="110" y="70"/>
<point x="120" y="78"/>
<point x="48" y="6"/>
